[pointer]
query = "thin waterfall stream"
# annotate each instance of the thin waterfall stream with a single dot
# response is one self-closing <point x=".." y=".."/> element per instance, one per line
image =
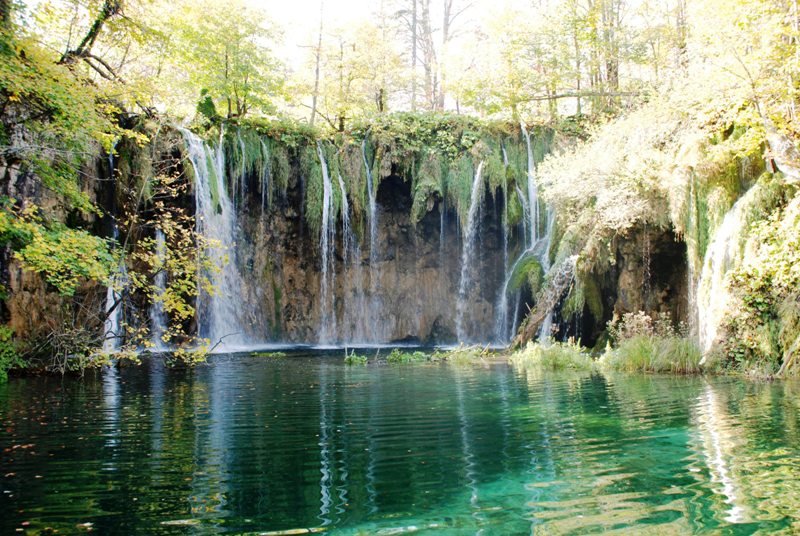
<point x="469" y="251"/>
<point x="158" y="322"/>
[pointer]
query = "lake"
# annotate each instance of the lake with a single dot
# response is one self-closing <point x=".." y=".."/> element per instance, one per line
<point x="302" y="443"/>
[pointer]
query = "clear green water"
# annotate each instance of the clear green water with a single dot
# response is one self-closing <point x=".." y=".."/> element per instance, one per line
<point x="258" y="445"/>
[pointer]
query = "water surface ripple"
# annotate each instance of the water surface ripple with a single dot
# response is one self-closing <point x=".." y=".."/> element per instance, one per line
<point x="259" y="445"/>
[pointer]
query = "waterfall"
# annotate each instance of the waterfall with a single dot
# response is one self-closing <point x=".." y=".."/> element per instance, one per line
<point x="112" y="327"/>
<point x="468" y="252"/>
<point x="546" y="329"/>
<point x="353" y="308"/>
<point x="374" y="272"/>
<point x="541" y="250"/>
<point x="526" y="210"/>
<point x="158" y="324"/>
<point x="501" y="306"/>
<point x="221" y="313"/>
<point x="533" y="192"/>
<point x="327" y="314"/>
<point x="265" y="176"/>
<point x="722" y="255"/>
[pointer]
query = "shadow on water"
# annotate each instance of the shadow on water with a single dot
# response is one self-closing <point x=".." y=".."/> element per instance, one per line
<point x="303" y="441"/>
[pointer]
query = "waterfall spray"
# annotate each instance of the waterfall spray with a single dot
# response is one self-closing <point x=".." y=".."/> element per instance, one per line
<point x="722" y="254"/>
<point x="158" y="324"/>
<point x="327" y="244"/>
<point x="374" y="272"/>
<point x="222" y="313"/>
<point x="468" y="252"/>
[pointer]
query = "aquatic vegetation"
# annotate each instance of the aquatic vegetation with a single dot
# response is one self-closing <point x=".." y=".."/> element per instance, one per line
<point x="647" y="343"/>
<point x="654" y="353"/>
<point x="270" y="355"/>
<point x="9" y="356"/>
<point x="354" y="359"/>
<point x="553" y="355"/>
<point x="399" y="356"/>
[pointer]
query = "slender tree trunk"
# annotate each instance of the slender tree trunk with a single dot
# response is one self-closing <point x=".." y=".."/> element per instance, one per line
<point x="681" y="26"/>
<point x="447" y="20"/>
<point x="230" y="107"/>
<point x="576" y="43"/>
<point x="318" y="53"/>
<point x="428" y="56"/>
<point x="414" y="56"/>
<point x="110" y="9"/>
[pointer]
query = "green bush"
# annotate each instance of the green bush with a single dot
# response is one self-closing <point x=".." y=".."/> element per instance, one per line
<point x="399" y="356"/>
<point x="353" y="359"/>
<point x="9" y="358"/>
<point x="654" y="353"/>
<point x="553" y="356"/>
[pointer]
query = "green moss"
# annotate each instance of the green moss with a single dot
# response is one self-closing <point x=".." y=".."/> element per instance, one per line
<point x="527" y="271"/>
<point x="311" y="170"/>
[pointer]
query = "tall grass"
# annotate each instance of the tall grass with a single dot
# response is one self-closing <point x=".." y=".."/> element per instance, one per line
<point x="653" y="353"/>
<point x="553" y="356"/>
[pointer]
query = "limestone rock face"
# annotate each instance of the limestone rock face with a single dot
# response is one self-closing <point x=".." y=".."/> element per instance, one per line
<point x="409" y="295"/>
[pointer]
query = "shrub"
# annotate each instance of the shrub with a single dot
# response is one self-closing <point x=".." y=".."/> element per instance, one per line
<point x="654" y="353"/>
<point x="553" y="356"/>
<point x="9" y="358"/>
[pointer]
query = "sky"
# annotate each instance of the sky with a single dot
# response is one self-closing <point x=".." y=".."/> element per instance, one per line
<point x="299" y="20"/>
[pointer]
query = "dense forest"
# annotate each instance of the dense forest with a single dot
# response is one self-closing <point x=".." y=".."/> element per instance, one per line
<point x="617" y="175"/>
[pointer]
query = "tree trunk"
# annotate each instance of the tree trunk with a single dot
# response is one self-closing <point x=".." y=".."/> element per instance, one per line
<point x="414" y="56"/>
<point x="318" y="53"/>
<point x="111" y="8"/>
<point x="428" y="56"/>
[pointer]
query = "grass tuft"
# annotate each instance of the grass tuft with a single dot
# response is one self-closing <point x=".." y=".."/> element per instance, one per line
<point x="553" y="356"/>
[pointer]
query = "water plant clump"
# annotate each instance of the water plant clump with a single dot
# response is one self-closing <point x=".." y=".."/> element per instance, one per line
<point x="554" y="356"/>
<point x="647" y="344"/>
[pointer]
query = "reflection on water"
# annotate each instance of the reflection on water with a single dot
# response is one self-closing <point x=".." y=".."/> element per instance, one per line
<point x="305" y="442"/>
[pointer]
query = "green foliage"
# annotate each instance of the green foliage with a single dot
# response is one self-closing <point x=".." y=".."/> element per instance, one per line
<point x="458" y="355"/>
<point x="65" y="257"/>
<point x="527" y="271"/>
<point x="763" y="323"/>
<point x="270" y="355"/>
<point x="553" y="356"/>
<point x="9" y="357"/>
<point x="227" y="47"/>
<point x="653" y="353"/>
<point x="353" y="359"/>
<point x="399" y="356"/>
<point x="206" y="107"/>
<point x="647" y="344"/>
<point x="63" y="117"/>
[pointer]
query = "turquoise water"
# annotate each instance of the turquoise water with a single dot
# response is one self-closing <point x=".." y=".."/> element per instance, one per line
<point x="260" y="445"/>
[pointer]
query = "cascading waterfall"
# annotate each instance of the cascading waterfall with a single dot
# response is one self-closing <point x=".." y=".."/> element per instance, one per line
<point x="221" y="314"/>
<point x="265" y="176"/>
<point x="374" y="272"/>
<point x="501" y="307"/>
<point x="113" y="323"/>
<point x="158" y="324"/>
<point x="327" y="316"/>
<point x="546" y="329"/>
<point x="724" y="251"/>
<point x="533" y="192"/>
<point x="538" y="246"/>
<point x="353" y="307"/>
<point x="468" y="252"/>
